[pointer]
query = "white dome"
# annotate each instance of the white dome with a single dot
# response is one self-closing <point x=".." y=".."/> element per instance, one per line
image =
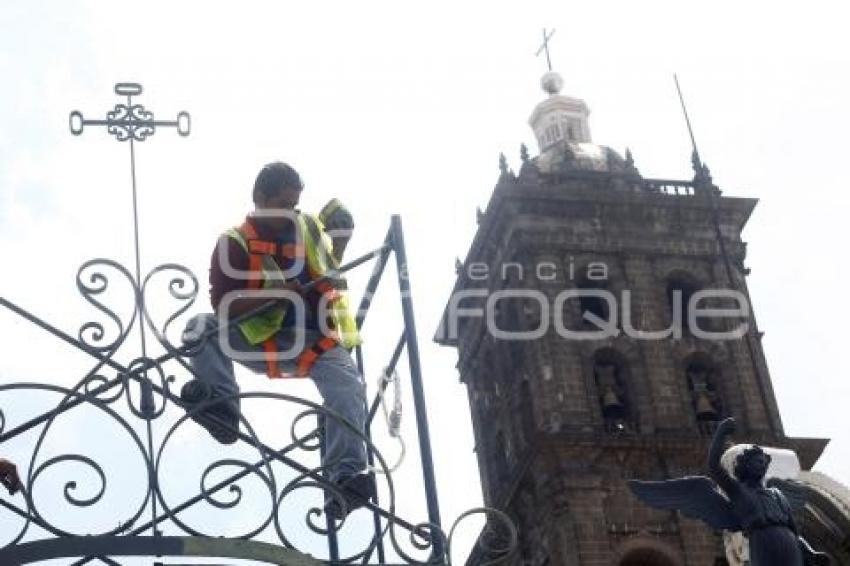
<point x="567" y="156"/>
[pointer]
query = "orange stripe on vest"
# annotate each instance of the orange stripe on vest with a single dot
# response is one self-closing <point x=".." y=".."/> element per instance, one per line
<point x="258" y="248"/>
<point x="305" y="361"/>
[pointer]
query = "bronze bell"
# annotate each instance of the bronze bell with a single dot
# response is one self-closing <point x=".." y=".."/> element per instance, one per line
<point x="705" y="408"/>
<point x="612" y="407"/>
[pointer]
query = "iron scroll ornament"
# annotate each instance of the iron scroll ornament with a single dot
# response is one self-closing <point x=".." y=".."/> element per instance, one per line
<point x="741" y="501"/>
<point x="130" y="121"/>
<point x="140" y="391"/>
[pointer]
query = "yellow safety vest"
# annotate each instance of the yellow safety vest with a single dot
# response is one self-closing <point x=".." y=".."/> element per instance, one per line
<point x="317" y="249"/>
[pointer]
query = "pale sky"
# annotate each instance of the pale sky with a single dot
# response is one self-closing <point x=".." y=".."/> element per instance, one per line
<point x="403" y="108"/>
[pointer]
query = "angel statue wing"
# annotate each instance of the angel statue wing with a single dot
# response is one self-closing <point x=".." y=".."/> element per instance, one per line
<point x="794" y="492"/>
<point x="696" y="497"/>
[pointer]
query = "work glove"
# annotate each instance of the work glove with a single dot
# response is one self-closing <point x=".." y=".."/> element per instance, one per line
<point x="337" y="219"/>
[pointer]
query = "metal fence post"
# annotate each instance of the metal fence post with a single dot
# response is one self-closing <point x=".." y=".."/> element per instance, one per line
<point x="416" y="384"/>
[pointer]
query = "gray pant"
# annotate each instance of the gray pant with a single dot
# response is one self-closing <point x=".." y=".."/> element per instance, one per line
<point x="334" y="373"/>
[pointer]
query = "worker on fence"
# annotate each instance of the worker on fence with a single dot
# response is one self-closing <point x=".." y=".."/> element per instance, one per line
<point x="272" y="256"/>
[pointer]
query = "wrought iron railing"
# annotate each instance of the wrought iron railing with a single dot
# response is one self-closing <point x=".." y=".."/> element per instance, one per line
<point x="72" y="508"/>
<point x="141" y="395"/>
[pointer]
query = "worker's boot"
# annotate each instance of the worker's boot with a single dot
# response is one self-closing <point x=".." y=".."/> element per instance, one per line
<point x="220" y="419"/>
<point x="358" y="491"/>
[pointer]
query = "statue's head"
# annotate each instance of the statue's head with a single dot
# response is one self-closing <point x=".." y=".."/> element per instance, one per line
<point x="751" y="465"/>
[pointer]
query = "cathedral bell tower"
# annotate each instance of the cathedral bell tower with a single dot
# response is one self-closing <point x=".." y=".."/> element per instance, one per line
<point x="570" y="315"/>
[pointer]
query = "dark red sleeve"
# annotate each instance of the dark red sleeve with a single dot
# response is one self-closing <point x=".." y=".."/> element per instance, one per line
<point x="222" y="282"/>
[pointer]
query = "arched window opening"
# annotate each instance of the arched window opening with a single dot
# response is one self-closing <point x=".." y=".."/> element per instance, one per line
<point x="610" y="373"/>
<point x="681" y="287"/>
<point x="701" y="374"/>
<point x="593" y="305"/>
<point x="517" y="314"/>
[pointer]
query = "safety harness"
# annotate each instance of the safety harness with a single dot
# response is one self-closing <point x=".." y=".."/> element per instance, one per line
<point x="259" y="253"/>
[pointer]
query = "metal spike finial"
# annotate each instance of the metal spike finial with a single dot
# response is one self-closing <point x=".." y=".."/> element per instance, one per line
<point x="687" y="118"/>
<point x="701" y="173"/>
<point x="503" y="164"/>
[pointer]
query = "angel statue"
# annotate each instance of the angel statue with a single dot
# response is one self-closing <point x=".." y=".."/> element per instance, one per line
<point x="762" y="512"/>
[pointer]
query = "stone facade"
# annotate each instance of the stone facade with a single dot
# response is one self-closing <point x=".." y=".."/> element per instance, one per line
<point x="560" y="424"/>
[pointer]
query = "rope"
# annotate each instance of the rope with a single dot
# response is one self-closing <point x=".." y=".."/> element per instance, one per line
<point x="391" y="417"/>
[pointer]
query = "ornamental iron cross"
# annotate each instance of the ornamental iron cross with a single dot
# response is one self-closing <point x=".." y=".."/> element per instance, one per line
<point x="130" y="121"/>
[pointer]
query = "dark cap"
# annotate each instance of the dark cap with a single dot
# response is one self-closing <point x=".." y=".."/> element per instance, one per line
<point x="274" y="177"/>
